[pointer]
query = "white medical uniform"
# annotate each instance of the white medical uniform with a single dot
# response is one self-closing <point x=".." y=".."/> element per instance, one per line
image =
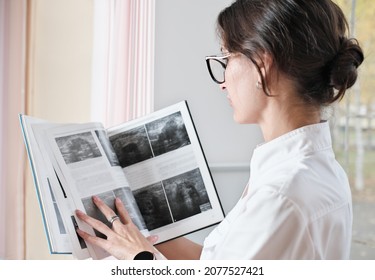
<point x="297" y="204"/>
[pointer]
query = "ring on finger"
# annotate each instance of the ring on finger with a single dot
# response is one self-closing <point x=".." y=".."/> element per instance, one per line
<point x="112" y="219"/>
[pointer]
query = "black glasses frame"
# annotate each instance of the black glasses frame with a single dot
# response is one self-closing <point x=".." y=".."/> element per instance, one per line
<point x="219" y="58"/>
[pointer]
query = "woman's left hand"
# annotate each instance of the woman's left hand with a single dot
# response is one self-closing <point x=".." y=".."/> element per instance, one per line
<point x="124" y="240"/>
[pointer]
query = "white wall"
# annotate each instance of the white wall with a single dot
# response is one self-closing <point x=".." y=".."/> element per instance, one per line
<point x="185" y="34"/>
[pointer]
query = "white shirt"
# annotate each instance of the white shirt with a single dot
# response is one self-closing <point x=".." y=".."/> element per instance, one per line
<point x="297" y="204"/>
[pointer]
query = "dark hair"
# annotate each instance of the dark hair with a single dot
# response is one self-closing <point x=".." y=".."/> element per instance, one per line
<point x="306" y="39"/>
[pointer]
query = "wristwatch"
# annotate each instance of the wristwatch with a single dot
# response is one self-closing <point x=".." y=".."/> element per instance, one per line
<point x="144" y="255"/>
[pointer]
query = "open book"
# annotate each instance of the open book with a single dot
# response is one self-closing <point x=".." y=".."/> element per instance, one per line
<point x="155" y="164"/>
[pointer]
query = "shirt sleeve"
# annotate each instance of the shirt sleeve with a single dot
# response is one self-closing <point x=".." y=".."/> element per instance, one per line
<point x="269" y="227"/>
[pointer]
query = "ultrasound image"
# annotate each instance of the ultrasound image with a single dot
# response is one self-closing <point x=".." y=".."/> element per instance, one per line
<point x="78" y="147"/>
<point x="131" y="146"/>
<point x="167" y="134"/>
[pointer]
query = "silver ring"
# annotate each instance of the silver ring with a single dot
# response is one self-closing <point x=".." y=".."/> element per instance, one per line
<point x="112" y="219"/>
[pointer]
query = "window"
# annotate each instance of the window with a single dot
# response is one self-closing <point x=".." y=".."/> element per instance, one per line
<point x="354" y="130"/>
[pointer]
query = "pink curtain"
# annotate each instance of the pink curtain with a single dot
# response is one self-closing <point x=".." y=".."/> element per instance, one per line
<point x="12" y="102"/>
<point x="123" y="60"/>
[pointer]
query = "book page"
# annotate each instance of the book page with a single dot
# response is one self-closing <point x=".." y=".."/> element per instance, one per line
<point x="166" y="169"/>
<point x="86" y="165"/>
<point x="53" y="203"/>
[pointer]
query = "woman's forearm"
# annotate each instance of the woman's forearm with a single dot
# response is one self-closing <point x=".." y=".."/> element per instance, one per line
<point x="180" y="249"/>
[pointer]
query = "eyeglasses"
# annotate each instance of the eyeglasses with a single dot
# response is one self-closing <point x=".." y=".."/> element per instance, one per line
<point x="216" y="65"/>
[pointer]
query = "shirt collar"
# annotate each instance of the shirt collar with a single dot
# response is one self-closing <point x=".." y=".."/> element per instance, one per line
<point x="299" y="142"/>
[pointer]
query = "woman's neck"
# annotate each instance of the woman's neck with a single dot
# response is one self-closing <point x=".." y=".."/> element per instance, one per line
<point x="282" y="117"/>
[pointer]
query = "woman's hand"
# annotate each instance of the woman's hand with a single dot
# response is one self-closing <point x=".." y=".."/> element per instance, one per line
<point x="124" y="240"/>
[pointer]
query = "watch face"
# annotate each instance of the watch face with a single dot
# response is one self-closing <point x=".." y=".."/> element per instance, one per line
<point x="144" y="255"/>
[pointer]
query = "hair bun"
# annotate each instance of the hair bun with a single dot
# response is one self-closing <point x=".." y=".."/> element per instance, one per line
<point x="345" y="64"/>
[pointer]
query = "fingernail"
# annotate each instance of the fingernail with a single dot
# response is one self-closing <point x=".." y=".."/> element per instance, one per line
<point x="154" y="238"/>
<point x="79" y="212"/>
<point x="95" y="198"/>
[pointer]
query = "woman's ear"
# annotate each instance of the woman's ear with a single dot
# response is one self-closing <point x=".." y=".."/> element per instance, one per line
<point x="266" y="66"/>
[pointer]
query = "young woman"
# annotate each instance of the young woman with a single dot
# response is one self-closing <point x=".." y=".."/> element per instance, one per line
<point x="282" y="62"/>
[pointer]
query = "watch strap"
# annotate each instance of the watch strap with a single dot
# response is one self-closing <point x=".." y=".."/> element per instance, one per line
<point x="144" y="255"/>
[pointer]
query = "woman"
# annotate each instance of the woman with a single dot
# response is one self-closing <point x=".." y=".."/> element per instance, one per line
<point x="282" y="62"/>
